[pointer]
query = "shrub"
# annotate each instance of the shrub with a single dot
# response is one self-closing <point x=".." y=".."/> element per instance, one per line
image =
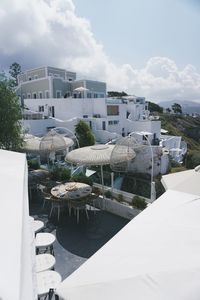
<point x="33" y="164"/>
<point x="120" y="198"/>
<point x="60" y="173"/>
<point x="96" y="190"/>
<point x="174" y="164"/>
<point x="82" y="178"/>
<point x="139" y="202"/>
<point x="192" y="159"/>
<point x="108" y="194"/>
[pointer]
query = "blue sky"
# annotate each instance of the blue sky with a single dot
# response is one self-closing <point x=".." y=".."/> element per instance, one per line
<point x="133" y="31"/>
<point x="148" y="48"/>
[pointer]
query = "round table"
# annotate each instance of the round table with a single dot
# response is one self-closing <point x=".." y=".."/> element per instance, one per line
<point x="71" y="190"/>
<point x="44" y="262"/>
<point x="45" y="240"/>
<point x="37" y="225"/>
<point x="47" y="280"/>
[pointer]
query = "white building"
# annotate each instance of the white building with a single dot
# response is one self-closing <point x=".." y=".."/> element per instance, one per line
<point x="109" y="118"/>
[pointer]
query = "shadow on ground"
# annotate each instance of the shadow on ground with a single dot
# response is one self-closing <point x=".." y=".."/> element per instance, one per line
<point x="76" y="242"/>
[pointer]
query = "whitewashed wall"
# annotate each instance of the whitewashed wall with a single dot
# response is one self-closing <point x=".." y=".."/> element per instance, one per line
<point x="38" y="127"/>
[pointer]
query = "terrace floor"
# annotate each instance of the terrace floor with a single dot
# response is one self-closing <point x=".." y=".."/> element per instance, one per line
<point x="75" y="243"/>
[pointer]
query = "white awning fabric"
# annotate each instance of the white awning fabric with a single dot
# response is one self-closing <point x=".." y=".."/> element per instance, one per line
<point x="155" y="257"/>
<point x="185" y="181"/>
<point x="16" y="271"/>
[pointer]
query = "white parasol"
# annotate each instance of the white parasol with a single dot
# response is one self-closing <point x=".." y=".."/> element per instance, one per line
<point x="81" y="89"/>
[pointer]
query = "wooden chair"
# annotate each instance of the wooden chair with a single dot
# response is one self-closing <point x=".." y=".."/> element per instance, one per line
<point x="46" y="198"/>
<point x="57" y="204"/>
<point x="77" y="206"/>
<point x="91" y="201"/>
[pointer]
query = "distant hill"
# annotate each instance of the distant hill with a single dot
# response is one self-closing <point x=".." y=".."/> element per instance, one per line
<point x="187" y="106"/>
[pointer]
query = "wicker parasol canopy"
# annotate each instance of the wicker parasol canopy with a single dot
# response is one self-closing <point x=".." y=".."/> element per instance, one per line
<point x="31" y="144"/>
<point x="124" y="151"/>
<point x="91" y="155"/>
<point x="52" y="141"/>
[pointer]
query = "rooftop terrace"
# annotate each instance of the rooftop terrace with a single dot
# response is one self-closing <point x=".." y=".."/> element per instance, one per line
<point x="75" y="243"/>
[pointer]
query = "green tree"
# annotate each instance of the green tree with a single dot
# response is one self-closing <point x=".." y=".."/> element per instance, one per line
<point x="177" y="108"/>
<point x="116" y="94"/>
<point x="14" y="70"/>
<point x="153" y="107"/>
<point x="10" y="116"/>
<point x="84" y="134"/>
<point x="168" y="110"/>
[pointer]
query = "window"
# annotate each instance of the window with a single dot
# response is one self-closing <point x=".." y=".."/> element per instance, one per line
<point x="101" y="96"/>
<point x="112" y="110"/>
<point x="89" y="95"/>
<point x="34" y="95"/>
<point x="95" y="95"/>
<point x="113" y="122"/>
<point x="46" y="94"/>
<point x="41" y="108"/>
<point x="58" y="94"/>
<point x="52" y="111"/>
<point x="85" y="116"/>
<point x="35" y="76"/>
<point x="29" y="78"/>
<point x="28" y="95"/>
<point x="70" y="79"/>
<point x="40" y="95"/>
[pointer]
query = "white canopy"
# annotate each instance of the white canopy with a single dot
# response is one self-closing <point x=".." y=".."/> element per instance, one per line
<point x="16" y="280"/>
<point x="186" y="181"/>
<point x="155" y="257"/>
<point x="81" y="89"/>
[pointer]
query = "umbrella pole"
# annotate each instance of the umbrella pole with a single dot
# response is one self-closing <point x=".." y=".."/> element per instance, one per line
<point x="102" y="182"/>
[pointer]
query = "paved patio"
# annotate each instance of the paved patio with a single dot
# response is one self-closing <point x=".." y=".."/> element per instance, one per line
<point x="75" y="243"/>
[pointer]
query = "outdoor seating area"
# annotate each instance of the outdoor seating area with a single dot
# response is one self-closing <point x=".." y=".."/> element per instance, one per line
<point x="63" y="244"/>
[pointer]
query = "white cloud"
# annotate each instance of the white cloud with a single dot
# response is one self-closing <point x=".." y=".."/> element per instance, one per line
<point x="48" y="32"/>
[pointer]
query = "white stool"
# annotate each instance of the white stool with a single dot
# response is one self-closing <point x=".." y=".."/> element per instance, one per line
<point x="44" y="262"/>
<point x="45" y="281"/>
<point x="44" y="242"/>
<point x="37" y="225"/>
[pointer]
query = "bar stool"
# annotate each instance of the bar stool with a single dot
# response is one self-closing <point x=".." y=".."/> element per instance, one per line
<point x="47" y="282"/>
<point x="44" y="242"/>
<point x="37" y="225"/>
<point x="44" y="262"/>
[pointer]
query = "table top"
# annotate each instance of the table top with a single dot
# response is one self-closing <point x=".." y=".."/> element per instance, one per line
<point x="71" y="190"/>
<point x="47" y="280"/>
<point x="37" y="225"/>
<point x="44" y="239"/>
<point x="44" y="262"/>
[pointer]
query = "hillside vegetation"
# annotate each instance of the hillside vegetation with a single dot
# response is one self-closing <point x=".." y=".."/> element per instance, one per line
<point x="189" y="129"/>
<point x="185" y="126"/>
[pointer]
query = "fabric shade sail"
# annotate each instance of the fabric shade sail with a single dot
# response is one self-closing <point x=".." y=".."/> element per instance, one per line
<point x="154" y="257"/>
<point x="186" y="181"/>
<point x="17" y="240"/>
